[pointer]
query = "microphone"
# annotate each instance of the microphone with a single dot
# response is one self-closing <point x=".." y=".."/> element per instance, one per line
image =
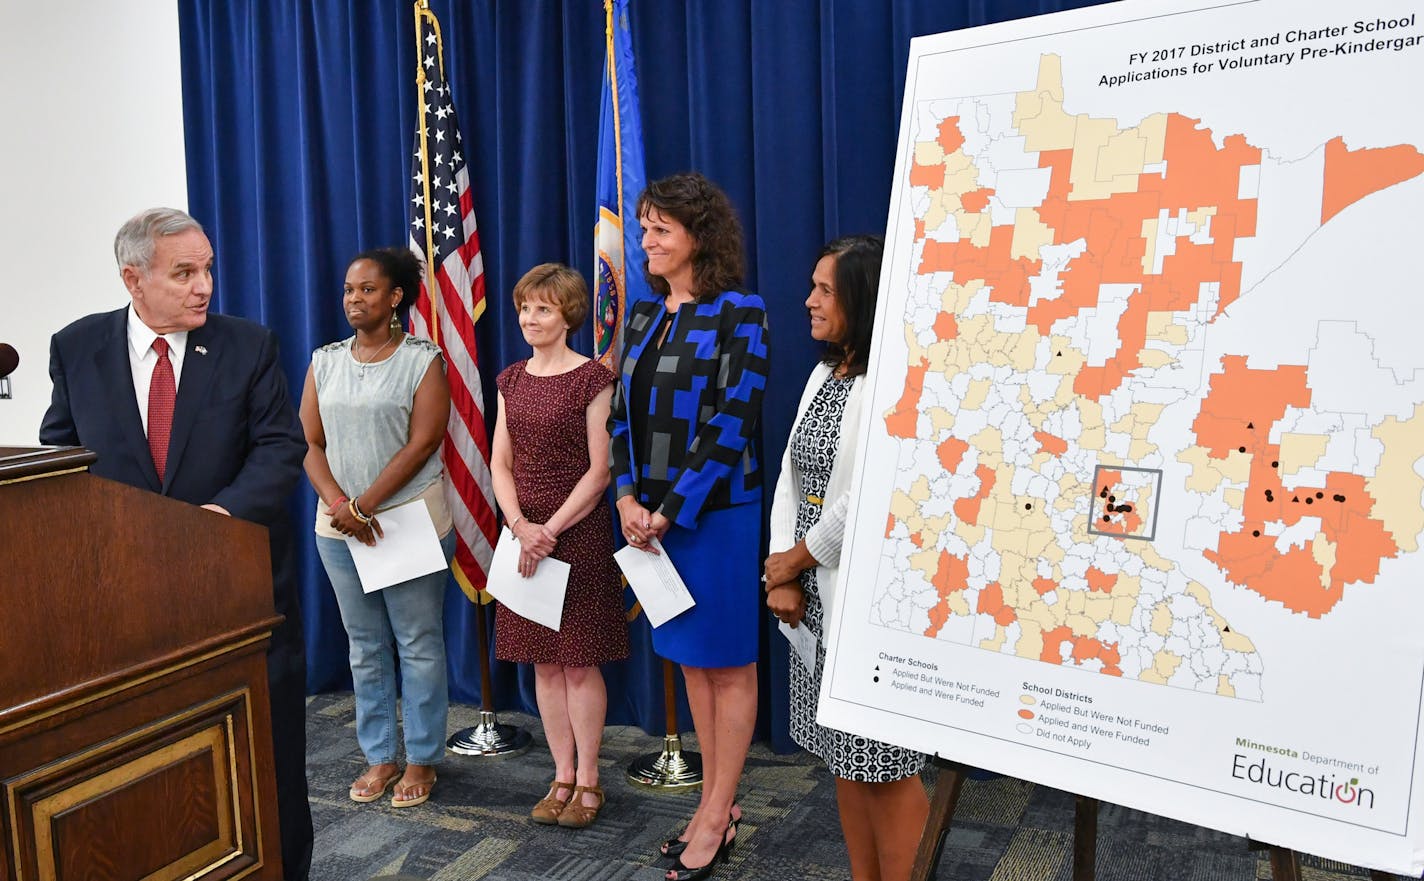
<point x="9" y="360"/>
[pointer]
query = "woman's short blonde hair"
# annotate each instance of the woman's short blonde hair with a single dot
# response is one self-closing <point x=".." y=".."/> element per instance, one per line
<point x="559" y="284"/>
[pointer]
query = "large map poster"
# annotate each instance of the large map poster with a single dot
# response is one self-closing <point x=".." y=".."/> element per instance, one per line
<point x="1138" y="505"/>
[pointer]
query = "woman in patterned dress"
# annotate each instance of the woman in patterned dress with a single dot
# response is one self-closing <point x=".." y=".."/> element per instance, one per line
<point x="550" y="470"/>
<point x="882" y="801"/>
<point x="686" y="472"/>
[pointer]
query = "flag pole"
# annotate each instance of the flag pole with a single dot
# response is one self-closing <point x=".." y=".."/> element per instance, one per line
<point x="422" y="11"/>
<point x="490" y="737"/>
<point x="672" y="769"/>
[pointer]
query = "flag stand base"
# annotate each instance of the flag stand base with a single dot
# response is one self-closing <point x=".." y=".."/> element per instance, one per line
<point x="490" y="738"/>
<point x="672" y="770"/>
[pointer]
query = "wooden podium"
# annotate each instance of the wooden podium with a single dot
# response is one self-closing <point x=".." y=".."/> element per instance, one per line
<point x="135" y="741"/>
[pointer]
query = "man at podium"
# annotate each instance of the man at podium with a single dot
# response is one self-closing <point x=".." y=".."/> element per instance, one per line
<point x="194" y="406"/>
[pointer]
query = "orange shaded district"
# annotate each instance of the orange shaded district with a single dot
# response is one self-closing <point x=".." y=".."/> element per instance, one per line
<point x="991" y="602"/>
<point x="1350" y="175"/>
<point x="901" y="420"/>
<point x="1007" y="277"/>
<point x="1051" y="444"/>
<point x="951" y="452"/>
<point x="925" y="176"/>
<point x="1242" y="404"/>
<point x="967" y="509"/>
<point x="1044" y="585"/>
<point x="975" y="201"/>
<point x="951" y="575"/>
<point x="946" y="326"/>
<point x="1101" y="581"/>
<point x="1125" y="522"/>
<point x="1238" y="414"/>
<point x="1083" y="648"/>
<point x="950" y="137"/>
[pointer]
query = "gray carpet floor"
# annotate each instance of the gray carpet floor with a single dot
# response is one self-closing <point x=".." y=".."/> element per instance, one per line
<point x="475" y="825"/>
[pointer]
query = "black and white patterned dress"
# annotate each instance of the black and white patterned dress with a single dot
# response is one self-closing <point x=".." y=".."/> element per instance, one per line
<point x="814" y="444"/>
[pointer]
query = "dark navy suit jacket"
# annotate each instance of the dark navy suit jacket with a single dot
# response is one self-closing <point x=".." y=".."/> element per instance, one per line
<point x="236" y="442"/>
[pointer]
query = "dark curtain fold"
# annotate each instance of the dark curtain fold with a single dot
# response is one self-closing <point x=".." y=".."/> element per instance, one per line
<point x="299" y="118"/>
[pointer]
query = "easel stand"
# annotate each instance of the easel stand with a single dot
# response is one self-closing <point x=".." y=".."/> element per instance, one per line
<point x="948" y="786"/>
<point x="674" y="769"/>
<point x="1285" y="863"/>
<point x="490" y="738"/>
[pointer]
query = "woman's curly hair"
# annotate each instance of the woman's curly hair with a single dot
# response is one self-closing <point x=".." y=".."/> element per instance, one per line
<point x="699" y="205"/>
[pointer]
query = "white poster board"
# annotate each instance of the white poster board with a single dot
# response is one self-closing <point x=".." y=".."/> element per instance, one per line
<point x="1138" y="501"/>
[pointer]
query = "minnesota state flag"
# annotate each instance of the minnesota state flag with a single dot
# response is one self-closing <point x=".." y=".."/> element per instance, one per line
<point x="618" y="249"/>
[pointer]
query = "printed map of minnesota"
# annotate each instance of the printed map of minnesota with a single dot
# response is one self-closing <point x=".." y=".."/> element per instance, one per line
<point x="1067" y="270"/>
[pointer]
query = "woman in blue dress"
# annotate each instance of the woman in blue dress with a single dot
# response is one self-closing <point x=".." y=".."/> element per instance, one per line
<point x="685" y="469"/>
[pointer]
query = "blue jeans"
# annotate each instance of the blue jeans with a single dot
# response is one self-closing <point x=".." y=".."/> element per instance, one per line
<point x="404" y="620"/>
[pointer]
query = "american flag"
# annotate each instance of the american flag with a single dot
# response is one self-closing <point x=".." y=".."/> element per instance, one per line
<point x="443" y="234"/>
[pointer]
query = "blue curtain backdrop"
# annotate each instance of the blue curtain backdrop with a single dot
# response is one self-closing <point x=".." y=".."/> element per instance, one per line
<point x="299" y="120"/>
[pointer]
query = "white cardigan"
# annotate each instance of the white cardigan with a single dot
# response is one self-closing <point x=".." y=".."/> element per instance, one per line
<point x="824" y="539"/>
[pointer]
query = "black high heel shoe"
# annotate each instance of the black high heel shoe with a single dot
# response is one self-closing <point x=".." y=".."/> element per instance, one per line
<point x="680" y="872"/>
<point x="674" y="847"/>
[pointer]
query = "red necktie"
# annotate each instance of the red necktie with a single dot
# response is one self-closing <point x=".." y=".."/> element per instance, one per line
<point x="162" y="391"/>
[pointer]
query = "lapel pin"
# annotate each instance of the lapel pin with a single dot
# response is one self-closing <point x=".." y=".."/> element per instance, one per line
<point x="201" y="350"/>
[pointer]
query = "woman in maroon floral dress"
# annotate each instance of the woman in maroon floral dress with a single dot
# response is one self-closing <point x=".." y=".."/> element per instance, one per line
<point x="550" y="470"/>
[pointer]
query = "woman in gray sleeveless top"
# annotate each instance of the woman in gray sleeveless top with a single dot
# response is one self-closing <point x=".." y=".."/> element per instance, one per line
<point x="374" y="409"/>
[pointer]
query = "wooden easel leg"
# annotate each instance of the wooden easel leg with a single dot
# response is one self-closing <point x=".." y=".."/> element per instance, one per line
<point x="1285" y="865"/>
<point x="947" y="789"/>
<point x="1085" y="838"/>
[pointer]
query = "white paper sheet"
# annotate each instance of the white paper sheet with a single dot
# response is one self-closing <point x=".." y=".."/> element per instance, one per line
<point x="803" y="642"/>
<point x="409" y="549"/>
<point x="540" y="597"/>
<point x="655" y="582"/>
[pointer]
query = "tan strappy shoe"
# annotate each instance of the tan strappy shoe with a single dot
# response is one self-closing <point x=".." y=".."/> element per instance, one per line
<point x="547" y="811"/>
<point x="578" y="815"/>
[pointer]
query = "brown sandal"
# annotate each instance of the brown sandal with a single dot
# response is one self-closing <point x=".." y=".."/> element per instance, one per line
<point x="548" y="809"/>
<point x="576" y="814"/>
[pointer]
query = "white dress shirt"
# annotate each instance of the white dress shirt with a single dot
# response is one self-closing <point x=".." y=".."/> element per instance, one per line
<point x="142" y="359"/>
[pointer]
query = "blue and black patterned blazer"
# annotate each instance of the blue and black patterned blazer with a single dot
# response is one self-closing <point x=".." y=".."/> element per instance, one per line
<point x="706" y="403"/>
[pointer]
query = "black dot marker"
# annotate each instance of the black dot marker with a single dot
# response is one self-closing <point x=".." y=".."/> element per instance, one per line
<point x="1240" y="449"/>
<point x="1107" y="519"/>
<point x="1309" y="500"/>
<point x="1339" y="498"/>
<point x="1320" y="495"/>
<point x="1028" y="506"/>
<point x="1275" y="464"/>
<point x="1256" y="532"/>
